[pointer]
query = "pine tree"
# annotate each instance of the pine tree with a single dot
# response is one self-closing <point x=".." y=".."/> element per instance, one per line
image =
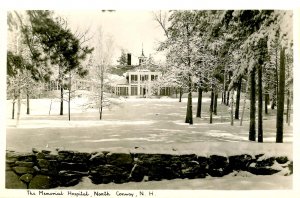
<point x="262" y="57"/>
<point x="24" y="66"/>
<point x="123" y="58"/>
<point x="60" y="44"/>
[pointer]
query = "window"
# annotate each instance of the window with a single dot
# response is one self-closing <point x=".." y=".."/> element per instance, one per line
<point x="143" y="90"/>
<point x="144" y="77"/>
<point x="134" y="78"/>
<point x="123" y="91"/>
<point x="134" y="90"/>
<point x="153" y="77"/>
<point x="165" y="91"/>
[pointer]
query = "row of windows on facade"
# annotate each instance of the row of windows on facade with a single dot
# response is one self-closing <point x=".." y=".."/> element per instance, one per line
<point x="54" y="85"/>
<point x="124" y="91"/>
<point x="120" y="91"/>
<point x="134" y="78"/>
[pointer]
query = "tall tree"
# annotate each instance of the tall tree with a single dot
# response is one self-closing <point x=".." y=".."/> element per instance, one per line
<point x="25" y="66"/>
<point x="280" y="100"/>
<point x="262" y="49"/>
<point x="179" y="36"/>
<point x="188" y="51"/>
<point x="260" y="103"/>
<point x="253" y="28"/>
<point x="274" y="48"/>
<point x="252" y="131"/>
<point x="289" y="84"/>
<point x="103" y="61"/>
<point x="100" y="62"/>
<point x="189" y="111"/>
<point x="245" y="98"/>
<point x="283" y="23"/>
<point x="60" y="44"/>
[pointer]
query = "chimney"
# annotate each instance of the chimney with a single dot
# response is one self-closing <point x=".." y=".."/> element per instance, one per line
<point x="128" y="59"/>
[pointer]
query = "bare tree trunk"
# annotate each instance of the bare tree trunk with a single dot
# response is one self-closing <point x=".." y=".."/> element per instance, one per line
<point x="69" y="103"/>
<point x="280" y="98"/>
<point x="266" y="102"/>
<point x="224" y="87"/>
<point x="100" y="112"/>
<point x="60" y="78"/>
<point x="101" y="104"/>
<point x="13" y="110"/>
<point x="215" y="103"/>
<point x="61" y="101"/>
<point x="180" y="94"/>
<point x="101" y="91"/>
<point x="238" y="97"/>
<point x="245" y="99"/>
<point x="189" y="111"/>
<point x="19" y="107"/>
<point x="18" y="84"/>
<point x="227" y="100"/>
<point x="13" y="107"/>
<point x="211" y="106"/>
<point x="252" y="131"/>
<point x="69" y="107"/>
<point x="199" y="106"/>
<point x="232" y="104"/>
<point x="288" y="107"/>
<point x="222" y="96"/>
<point x="288" y="103"/>
<point x="50" y="107"/>
<point x="275" y="96"/>
<point x="260" y="103"/>
<point x="276" y="77"/>
<point x="27" y="102"/>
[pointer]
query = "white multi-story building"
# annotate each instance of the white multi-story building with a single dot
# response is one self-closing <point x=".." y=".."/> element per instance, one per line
<point x="139" y="83"/>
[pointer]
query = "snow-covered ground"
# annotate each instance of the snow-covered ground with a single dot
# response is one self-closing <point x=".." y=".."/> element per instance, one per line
<point x="130" y="123"/>
<point x="153" y="126"/>
<point x="233" y="181"/>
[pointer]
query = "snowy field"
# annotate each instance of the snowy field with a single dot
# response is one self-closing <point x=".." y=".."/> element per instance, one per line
<point x="155" y="126"/>
<point x="130" y="123"/>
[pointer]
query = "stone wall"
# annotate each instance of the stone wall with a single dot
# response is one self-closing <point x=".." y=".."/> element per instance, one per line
<point x="48" y="169"/>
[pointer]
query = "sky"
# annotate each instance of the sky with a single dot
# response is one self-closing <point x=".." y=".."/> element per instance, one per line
<point x="131" y="30"/>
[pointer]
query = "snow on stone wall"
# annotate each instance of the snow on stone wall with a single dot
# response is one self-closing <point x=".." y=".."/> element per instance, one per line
<point x="49" y="169"/>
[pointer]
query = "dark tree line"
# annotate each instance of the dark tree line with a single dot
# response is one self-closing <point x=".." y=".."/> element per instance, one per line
<point x="223" y="49"/>
<point x="45" y="42"/>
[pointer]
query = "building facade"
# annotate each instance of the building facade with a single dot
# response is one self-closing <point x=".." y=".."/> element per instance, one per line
<point x="139" y="83"/>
